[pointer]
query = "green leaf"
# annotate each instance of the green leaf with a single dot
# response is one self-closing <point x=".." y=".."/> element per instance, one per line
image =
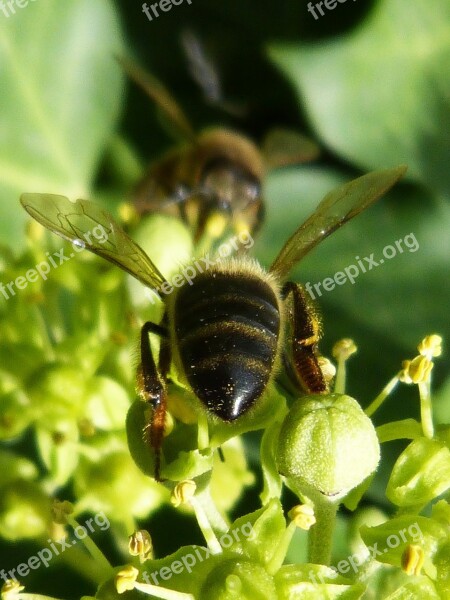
<point x="189" y="465"/>
<point x="417" y="587"/>
<point x="388" y="541"/>
<point x="267" y="530"/>
<point x="238" y="578"/>
<point x="185" y="570"/>
<point x="378" y="98"/>
<point x="61" y="94"/>
<point x="421" y="473"/>
<point x="397" y="430"/>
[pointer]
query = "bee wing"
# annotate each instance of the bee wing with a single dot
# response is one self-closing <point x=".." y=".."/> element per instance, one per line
<point x="338" y="207"/>
<point x="205" y="73"/>
<point x="76" y="222"/>
<point x="201" y="67"/>
<point x="283" y="147"/>
<point x="159" y="94"/>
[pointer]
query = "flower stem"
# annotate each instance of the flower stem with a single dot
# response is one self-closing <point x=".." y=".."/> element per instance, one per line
<point x="375" y="405"/>
<point x="339" y="382"/>
<point x="163" y="593"/>
<point x="215" y="518"/>
<point x="426" y="412"/>
<point x="203" y="432"/>
<point x="204" y="524"/>
<point x="102" y="563"/>
<point x="321" y="533"/>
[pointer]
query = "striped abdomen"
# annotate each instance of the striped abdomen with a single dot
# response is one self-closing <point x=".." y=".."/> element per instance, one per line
<point x="227" y="326"/>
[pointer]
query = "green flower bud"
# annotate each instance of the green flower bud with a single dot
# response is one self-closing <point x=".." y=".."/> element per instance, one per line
<point x="25" y="511"/>
<point x="327" y="444"/>
<point x="421" y="473"/>
<point x="238" y="580"/>
<point x="15" y="415"/>
<point x="14" y="467"/>
<point x="113" y="484"/>
<point x="168" y="243"/>
<point x="58" y="390"/>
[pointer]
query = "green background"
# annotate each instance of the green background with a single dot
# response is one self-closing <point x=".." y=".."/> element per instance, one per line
<point x="368" y="81"/>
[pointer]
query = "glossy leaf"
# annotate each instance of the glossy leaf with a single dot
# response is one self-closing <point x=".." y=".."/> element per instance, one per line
<point x="379" y="95"/>
<point x="55" y="118"/>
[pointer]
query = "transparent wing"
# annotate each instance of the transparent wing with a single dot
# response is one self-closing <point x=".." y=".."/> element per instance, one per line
<point x="85" y="223"/>
<point x="201" y="67"/>
<point x="160" y="96"/>
<point x="205" y="73"/>
<point x="338" y="207"/>
<point x="283" y="147"/>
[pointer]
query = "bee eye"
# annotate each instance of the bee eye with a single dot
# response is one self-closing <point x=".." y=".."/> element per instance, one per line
<point x="232" y="185"/>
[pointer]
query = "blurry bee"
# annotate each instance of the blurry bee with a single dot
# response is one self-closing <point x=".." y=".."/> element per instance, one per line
<point x="225" y="331"/>
<point x="213" y="181"/>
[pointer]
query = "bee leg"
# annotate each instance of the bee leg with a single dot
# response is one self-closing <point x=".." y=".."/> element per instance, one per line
<point x="305" y="338"/>
<point x="152" y="385"/>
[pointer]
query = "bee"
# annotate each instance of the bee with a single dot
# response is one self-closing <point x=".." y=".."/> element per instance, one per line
<point x="225" y="329"/>
<point x="213" y="181"/>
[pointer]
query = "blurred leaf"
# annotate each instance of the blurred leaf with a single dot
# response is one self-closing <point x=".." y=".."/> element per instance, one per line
<point x="61" y="94"/>
<point x="441" y="404"/>
<point x="380" y="95"/>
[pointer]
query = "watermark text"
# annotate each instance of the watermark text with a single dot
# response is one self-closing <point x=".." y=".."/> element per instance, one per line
<point x="329" y="5"/>
<point x="367" y="263"/>
<point x="43" y="268"/>
<point x="151" y="12"/>
<point x="45" y="556"/>
<point x="200" y="554"/>
<point x="407" y="534"/>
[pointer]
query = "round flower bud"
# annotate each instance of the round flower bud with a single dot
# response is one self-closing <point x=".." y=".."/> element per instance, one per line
<point x="25" y="511"/>
<point x="168" y="242"/>
<point x="327" y="444"/>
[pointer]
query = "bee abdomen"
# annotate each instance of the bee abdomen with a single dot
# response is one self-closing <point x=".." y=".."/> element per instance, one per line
<point x="227" y="328"/>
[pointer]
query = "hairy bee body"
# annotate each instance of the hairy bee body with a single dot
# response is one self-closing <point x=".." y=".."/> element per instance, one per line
<point x="220" y="171"/>
<point x="227" y="330"/>
<point x="226" y="327"/>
